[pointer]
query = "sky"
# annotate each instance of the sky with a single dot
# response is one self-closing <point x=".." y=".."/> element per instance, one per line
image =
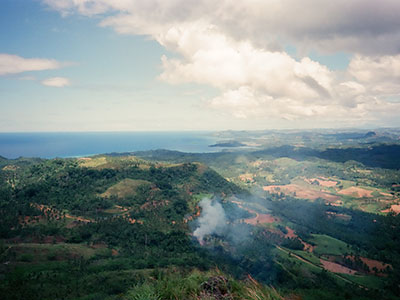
<point x="174" y="65"/>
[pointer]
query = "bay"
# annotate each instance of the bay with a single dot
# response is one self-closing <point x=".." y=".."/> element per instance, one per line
<point x="75" y="144"/>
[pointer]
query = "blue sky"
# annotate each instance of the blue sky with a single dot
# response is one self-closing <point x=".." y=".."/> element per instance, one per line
<point x="102" y="65"/>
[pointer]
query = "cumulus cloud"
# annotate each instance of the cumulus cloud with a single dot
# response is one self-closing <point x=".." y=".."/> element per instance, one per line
<point x="381" y="74"/>
<point x="56" y="82"/>
<point x="236" y="47"/>
<point x="363" y="26"/>
<point x="12" y="64"/>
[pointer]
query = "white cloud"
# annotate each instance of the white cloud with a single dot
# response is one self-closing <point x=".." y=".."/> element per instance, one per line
<point x="56" y="82"/>
<point x="236" y="47"/>
<point x="12" y="64"/>
<point x="85" y="7"/>
<point x="362" y="26"/>
<point x="381" y="74"/>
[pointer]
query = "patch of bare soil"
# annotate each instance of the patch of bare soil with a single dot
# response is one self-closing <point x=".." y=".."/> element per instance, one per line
<point x="154" y="204"/>
<point x="133" y="221"/>
<point x="196" y="215"/>
<point x="247" y="177"/>
<point x="356" y="192"/>
<point x="301" y="192"/>
<point x="121" y="208"/>
<point x="386" y="194"/>
<point x="324" y="183"/>
<point x="48" y="212"/>
<point x="260" y="219"/>
<point x="336" y="268"/>
<point x="394" y="208"/>
<point x="343" y="217"/>
<point x="336" y="203"/>
<point x="376" y="267"/>
<point x="10" y="168"/>
<point x="290" y="234"/>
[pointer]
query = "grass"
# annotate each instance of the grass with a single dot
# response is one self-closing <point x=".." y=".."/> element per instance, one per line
<point x="39" y="253"/>
<point x="285" y="258"/>
<point x="126" y="187"/>
<point x="368" y="281"/>
<point x="329" y="245"/>
<point x="100" y="162"/>
<point x="93" y="162"/>
<point x="307" y="256"/>
<point x="173" y="284"/>
<point x="285" y="162"/>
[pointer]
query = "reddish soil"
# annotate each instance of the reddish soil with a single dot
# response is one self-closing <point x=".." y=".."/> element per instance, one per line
<point x="196" y="215"/>
<point x="336" y="268"/>
<point x="260" y="219"/>
<point x="133" y="221"/>
<point x="121" y="208"/>
<point x="154" y="204"/>
<point x="247" y="177"/>
<point x="290" y="234"/>
<point x="386" y="194"/>
<point x="356" y="192"/>
<point x="394" y="208"/>
<point x="373" y="265"/>
<point x="301" y="192"/>
<point x="325" y="183"/>
<point x="337" y="203"/>
<point x="48" y="212"/>
<point x="343" y="217"/>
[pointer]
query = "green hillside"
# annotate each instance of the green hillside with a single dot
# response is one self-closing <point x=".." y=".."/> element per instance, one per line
<point x="124" y="227"/>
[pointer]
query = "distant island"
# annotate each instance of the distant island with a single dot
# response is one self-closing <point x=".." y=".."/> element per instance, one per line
<point x="228" y="144"/>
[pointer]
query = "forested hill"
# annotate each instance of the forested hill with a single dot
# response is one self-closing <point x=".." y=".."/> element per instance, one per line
<point x="371" y="155"/>
<point x="85" y="185"/>
<point x="109" y="223"/>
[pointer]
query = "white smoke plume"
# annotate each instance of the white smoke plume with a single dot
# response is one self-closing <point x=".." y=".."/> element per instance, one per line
<point x="212" y="219"/>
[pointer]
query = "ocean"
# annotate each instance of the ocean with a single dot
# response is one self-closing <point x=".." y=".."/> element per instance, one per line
<point x="50" y="145"/>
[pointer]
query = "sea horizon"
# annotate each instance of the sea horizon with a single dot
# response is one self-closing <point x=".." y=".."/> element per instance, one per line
<point x="79" y="144"/>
